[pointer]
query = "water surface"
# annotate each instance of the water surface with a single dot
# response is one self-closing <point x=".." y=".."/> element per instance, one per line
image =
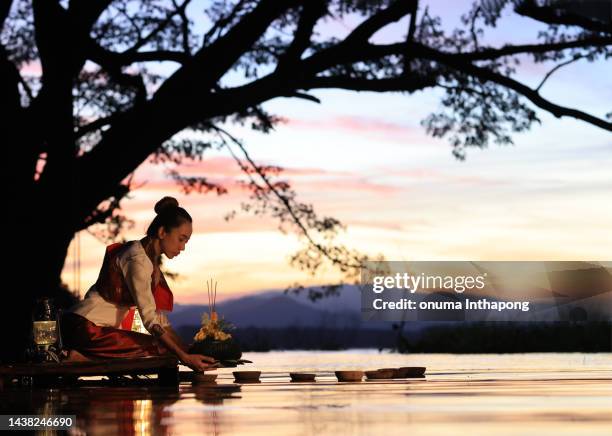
<point x="544" y="394"/>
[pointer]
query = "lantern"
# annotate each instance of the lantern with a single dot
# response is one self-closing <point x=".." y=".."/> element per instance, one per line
<point x="45" y="332"/>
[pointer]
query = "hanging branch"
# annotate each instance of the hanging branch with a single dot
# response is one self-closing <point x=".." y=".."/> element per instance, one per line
<point x="254" y="168"/>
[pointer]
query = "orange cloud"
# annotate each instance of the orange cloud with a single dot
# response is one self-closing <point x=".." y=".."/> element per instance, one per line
<point x="355" y="184"/>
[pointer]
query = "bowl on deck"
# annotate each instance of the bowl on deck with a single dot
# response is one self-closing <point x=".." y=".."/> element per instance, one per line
<point x="349" y="376"/>
<point x="202" y="377"/>
<point x="381" y="374"/>
<point x="411" y="371"/>
<point x="396" y="371"/>
<point x="247" y="376"/>
<point x="302" y="376"/>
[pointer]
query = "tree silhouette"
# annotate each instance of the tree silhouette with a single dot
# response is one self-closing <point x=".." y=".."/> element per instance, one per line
<point x="74" y="132"/>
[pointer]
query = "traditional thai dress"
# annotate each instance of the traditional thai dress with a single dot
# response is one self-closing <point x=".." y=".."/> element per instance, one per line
<point x="99" y="326"/>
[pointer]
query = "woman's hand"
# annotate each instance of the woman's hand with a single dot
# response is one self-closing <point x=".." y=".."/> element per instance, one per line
<point x="199" y="362"/>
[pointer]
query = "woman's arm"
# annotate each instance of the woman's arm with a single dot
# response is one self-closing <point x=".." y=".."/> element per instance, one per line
<point x="176" y="338"/>
<point x="137" y="270"/>
<point x="197" y="362"/>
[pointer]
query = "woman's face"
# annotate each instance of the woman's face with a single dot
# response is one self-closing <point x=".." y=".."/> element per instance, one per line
<point x="173" y="242"/>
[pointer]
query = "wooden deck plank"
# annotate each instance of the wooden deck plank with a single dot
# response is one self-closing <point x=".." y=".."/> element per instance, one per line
<point x="141" y="365"/>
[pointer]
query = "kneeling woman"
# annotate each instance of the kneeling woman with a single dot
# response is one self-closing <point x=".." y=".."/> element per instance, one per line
<point x="131" y="277"/>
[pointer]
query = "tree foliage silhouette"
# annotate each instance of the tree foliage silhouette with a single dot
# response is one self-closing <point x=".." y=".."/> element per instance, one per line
<point x="83" y="105"/>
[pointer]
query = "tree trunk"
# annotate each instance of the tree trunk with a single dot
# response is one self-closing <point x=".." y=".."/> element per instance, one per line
<point x="37" y="235"/>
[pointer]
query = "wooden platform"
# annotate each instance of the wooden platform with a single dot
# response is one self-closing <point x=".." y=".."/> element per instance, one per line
<point x="166" y="369"/>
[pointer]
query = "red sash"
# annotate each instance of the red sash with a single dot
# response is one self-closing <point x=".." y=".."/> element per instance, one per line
<point x="112" y="287"/>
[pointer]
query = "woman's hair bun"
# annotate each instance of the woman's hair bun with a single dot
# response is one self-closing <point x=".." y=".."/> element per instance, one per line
<point x="165" y="203"/>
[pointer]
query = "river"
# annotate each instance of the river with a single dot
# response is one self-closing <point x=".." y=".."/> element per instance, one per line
<point x="510" y="394"/>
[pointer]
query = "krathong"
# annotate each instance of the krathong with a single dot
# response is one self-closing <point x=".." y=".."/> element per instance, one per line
<point x="213" y="339"/>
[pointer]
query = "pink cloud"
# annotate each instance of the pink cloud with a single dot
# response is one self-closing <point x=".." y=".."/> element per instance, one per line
<point x="168" y="185"/>
<point x="32" y="68"/>
<point x="363" y="125"/>
<point x="227" y="167"/>
<point x="214" y="166"/>
<point x="225" y="171"/>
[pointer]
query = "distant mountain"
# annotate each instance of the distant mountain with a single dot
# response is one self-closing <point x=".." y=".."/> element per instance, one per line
<point x="275" y="309"/>
<point x="273" y="320"/>
<point x="347" y="300"/>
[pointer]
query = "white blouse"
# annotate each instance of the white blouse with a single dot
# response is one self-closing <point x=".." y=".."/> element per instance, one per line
<point x="137" y="269"/>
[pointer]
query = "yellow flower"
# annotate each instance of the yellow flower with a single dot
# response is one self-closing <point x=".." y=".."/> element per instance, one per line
<point x="211" y="328"/>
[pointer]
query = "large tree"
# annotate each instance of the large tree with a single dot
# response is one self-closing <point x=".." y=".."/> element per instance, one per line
<point x="75" y="131"/>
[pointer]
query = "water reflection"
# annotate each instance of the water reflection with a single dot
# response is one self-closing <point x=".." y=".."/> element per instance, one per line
<point x="122" y="409"/>
<point x="214" y="394"/>
<point x="556" y="394"/>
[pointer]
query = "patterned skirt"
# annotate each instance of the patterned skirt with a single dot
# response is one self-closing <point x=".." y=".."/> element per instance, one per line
<point x="97" y="342"/>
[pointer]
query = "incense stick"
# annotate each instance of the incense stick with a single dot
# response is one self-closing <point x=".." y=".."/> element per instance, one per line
<point x="211" y="290"/>
<point x="215" y="298"/>
<point x="209" y="299"/>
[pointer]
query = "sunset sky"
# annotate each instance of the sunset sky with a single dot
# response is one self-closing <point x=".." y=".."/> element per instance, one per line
<point x="365" y="159"/>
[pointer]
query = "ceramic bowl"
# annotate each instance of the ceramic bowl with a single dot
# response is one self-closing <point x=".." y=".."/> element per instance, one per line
<point x="247" y="376"/>
<point x="302" y="376"/>
<point x="203" y="377"/>
<point x="380" y="374"/>
<point x="396" y="371"/>
<point x="349" y="376"/>
<point x="411" y="371"/>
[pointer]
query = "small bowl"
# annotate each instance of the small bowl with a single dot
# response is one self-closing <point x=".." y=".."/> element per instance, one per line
<point x="204" y="378"/>
<point x="247" y="376"/>
<point x="396" y="371"/>
<point x="302" y="376"/>
<point x="380" y="374"/>
<point x="349" y="376"/>
<point x="411" y="371"/>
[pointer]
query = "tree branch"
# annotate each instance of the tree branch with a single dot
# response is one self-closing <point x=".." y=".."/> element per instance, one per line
<point x="19" y="163"/>
<point x="177" y="104"/>
<point x="473" y="27"/>
<point x="106" y="58"/>
<point x="396" y="84"/>
<point x="142" y="41"/>
<point x="312" y="11"/>
<point x="370" y="26"/>
<point x="492" y="53"/>
<point x="286" y="202"/>
<point x="192" y="94"/>
<point x="184" y="28"/>
<point x="97" y="124"/>
<point x="508" y="50"/>
<point x="5" y="8"/>
<point x="557" y="67"/>
<point x="531" y="94"/>
<point x="210" y="63"/>
<point x="53" y="105"/>
<point x="83" y="14"/>
<point x="557" y="15"/>
<point x="304" y="96"/>
<point x="412" y="23"/>
<point x="222" y="22"/>
<point x="341" y="54"/>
